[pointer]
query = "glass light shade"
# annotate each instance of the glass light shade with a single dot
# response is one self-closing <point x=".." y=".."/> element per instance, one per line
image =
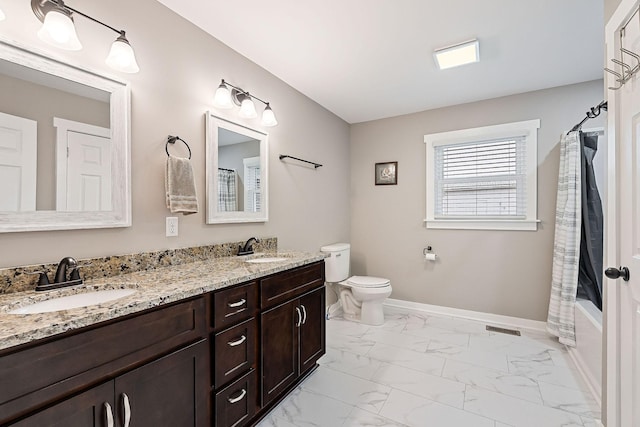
<point x="248" y="108"/>
<point x="121" y="56"/>
<point x="461" y="54"/>
<point x="58" y="30"/>
<point x="268" y="118"/>
<point x="222" y="98"/>
<point x="1" y="15"/>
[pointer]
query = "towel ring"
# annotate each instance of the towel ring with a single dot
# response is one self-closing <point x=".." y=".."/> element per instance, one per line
<point x="172" y="140"/>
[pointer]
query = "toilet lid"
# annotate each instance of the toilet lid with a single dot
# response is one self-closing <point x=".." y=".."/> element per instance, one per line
<point x="368" y="281"/>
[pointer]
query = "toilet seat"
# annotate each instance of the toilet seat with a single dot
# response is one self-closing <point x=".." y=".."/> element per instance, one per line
<point x="367" y="282"/>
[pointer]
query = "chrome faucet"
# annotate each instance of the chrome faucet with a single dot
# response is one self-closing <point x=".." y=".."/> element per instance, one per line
<point x="247" y="249"/>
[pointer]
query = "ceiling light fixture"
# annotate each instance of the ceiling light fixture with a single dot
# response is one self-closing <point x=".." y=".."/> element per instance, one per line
<point x="59" y="30"/>
<point x="225" y="98"/>
<point x="459" y="54"/>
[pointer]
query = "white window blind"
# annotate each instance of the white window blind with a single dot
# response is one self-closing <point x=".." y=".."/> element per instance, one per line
<point x="484" y="179"/>
<point x="253" y="189"/>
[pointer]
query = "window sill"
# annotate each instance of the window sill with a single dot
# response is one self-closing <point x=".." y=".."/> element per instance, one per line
<point x="483" y="224"/>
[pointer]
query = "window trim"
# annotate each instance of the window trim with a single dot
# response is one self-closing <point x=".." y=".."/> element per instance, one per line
<point x="528" y="129"/>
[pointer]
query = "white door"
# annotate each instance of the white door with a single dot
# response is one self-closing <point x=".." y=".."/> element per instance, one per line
<point x="18" y="163"/>
<point x="623" y="228"/>
<point x="84" y="167"/>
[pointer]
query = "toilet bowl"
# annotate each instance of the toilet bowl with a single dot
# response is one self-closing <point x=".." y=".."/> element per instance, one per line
<point x="360" y="297"/>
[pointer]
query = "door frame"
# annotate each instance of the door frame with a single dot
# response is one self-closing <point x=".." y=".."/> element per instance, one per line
<point x="611" y="411"/>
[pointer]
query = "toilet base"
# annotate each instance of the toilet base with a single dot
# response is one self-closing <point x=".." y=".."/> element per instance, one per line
<point x="372" y="313"/>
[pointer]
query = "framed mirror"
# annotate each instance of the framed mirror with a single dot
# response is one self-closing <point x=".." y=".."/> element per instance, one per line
<point x="237" y="172"/>
<point x="64" y="145"/>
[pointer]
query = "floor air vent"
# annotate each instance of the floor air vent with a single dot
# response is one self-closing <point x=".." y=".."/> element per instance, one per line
<point x="503" y="330"/>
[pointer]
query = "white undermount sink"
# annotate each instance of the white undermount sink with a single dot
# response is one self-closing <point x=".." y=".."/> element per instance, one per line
<point x="266" y="260"/>
<point x="74" y="301"/>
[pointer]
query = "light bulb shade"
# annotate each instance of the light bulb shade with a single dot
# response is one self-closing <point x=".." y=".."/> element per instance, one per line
<point x="58" y="30"/>
<point x="247" y="108"/>
<point x="1" y="15"/>
<point x="121" y="56"/>
<point x="222" y="98"/>
<point x="268" y="118"/>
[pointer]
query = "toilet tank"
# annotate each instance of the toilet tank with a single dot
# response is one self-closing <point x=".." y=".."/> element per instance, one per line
<point x="336" y="266"/>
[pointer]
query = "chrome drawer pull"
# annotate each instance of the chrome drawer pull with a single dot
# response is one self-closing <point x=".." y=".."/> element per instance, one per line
<point x="127" y="409"/>
<point x="109" y="413"/>
<point x="237" y="304"/>
<point x="235" y="343"/>
<point x="299" y="322"/>
<point x="243" y="393"/>
<point x="304" y="314"/>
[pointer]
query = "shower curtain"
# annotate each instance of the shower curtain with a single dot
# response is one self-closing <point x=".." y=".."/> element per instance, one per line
<point x="578" y="245"/>
<point x="566" y="245"/>
<point x="227" y="191"/>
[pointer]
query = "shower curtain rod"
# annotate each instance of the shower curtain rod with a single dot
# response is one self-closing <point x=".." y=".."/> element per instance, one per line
<point x="592" y="114"/>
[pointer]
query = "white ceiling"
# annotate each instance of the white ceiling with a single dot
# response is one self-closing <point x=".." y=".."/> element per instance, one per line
<point x="370" y="59"/>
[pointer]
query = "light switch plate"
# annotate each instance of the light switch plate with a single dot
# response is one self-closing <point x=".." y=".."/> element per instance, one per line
<point x="172" y="226"/>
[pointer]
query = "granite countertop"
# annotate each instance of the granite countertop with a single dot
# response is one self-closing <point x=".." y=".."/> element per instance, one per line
<point x="153" y="288"/>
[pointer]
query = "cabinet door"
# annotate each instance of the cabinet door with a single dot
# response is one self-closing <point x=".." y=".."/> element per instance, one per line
<point x="170" y="391"/>
<point x="279" y="339"/>
<point x="312" y="329"/>
<point x="93" y="408"/>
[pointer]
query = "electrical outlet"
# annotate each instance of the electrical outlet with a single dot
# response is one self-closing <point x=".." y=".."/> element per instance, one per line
<point x="172" y="226"/>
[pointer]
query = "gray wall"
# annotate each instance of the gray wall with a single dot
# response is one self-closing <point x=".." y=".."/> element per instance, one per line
<point x="40" y="103"/>
<point x="501" y="272"/>
<point x="181" y="67"/>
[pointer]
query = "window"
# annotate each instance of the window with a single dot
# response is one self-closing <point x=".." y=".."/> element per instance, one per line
<point x="252" y="189"/>
<point x="483" y="178"/>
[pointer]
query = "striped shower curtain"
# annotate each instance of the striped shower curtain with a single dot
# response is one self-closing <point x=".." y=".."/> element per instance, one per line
<point x="566" y="245"/>
<point x="227" y="191"/>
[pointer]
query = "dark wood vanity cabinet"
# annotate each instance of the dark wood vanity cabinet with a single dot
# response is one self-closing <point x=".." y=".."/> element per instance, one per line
<point x="150" y="369"/>
<point x="293" y="332"/>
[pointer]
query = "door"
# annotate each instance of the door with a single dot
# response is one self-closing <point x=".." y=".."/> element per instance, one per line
<point x="18" y="162"/>
<point x="83" y="170"/>
<point x="312" y="328"/>
<point x="171" y="391"/>
<point x="279" y="339"/>
<point x="93" y="408"/>
<point x="623" y="228"/>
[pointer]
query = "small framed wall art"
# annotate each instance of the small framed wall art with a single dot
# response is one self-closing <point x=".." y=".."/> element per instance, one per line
<point x="387" y="173"/>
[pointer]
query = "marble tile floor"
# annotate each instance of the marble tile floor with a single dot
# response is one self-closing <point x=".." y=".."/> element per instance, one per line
<point x="421" y="370"/>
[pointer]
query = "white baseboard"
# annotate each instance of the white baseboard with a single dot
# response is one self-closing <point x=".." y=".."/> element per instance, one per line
<point x="494" y="319"/>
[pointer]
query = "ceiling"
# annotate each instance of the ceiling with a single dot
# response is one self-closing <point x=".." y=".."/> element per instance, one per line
<point x="370" y="59"/>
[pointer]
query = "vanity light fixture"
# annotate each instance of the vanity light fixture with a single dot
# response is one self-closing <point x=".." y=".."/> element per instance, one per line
<point x="225" y="98"/>
<point x="1" y="15"/>
<point x="459" y="54"/>
<point x="59" y="30"/>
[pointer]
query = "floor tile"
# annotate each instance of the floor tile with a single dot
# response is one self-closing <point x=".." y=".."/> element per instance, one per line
<point x="416" y="411"/>
<point x="513" y="385"/>
<point x="463" y="354"/>
<point x="409" y="342"/>
<point x="345" y="327"/>
<point x="352" y="363"/>
<point x="516" y="412"/>
<point x="349" y="343"/>
<point x="590" y="422"/>
<point x="428" y="386"/>
<point x="408" y="358"/>
<point x="551" y="374"/>
<point x="570" y="400"/>
<point x="361" y="418"/>
<point x="273" y="421"/>
<point x="304" y="408"/>
<point x="441" y="335"/>
<point x="458" y="325"/>
<point x="354" y="391"/>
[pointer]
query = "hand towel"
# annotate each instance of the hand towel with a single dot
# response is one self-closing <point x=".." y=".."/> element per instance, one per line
<point x="180" y="186"/>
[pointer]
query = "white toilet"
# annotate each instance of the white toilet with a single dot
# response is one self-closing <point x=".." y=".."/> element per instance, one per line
<point x="361" y="297"/>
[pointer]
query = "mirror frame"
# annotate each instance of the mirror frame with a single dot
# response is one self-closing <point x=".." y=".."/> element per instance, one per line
<point x="213" y="123"/>
<point x="120" y="124"/>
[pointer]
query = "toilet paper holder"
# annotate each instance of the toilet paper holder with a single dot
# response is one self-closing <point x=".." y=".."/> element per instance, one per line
<point x="426" y="250"/>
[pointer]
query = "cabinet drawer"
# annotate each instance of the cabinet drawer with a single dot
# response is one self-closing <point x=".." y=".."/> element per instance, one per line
<point x="236" y="403"/>
<point x="43" y="373"/>
<point x="235" y="352"/>
<point x="233" y="305"/>
<point x="290" y="284"/>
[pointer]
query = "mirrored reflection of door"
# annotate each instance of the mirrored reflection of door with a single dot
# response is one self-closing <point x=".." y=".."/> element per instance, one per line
<point x="18" y="162"/>
<point x="84" y="167"/>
